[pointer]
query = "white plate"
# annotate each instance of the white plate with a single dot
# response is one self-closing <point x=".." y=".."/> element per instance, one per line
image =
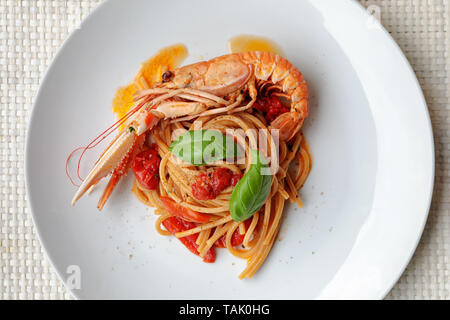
<point x="366" y="201"/>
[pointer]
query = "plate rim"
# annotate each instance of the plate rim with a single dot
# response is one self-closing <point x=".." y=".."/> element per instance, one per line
<point x="432" y="145"/>
<point x="363" y="11"/>
<point x="39" y="92"/>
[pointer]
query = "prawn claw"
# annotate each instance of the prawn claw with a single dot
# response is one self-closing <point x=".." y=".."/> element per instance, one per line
<point x="110" y="160"/>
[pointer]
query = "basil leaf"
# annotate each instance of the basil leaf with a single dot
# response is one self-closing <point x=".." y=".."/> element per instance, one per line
<point x="200" y="147"/>
<point x="252" y="190"/>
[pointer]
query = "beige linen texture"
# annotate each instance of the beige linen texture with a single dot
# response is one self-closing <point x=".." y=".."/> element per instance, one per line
<point x="32" y="31"/>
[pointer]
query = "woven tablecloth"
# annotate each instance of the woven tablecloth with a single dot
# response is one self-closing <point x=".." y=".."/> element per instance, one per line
<point x="31" y="32"/>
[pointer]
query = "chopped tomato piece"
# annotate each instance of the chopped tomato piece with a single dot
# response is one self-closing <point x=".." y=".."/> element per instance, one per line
<point x="235" y="179"/>
<point x="175" y="224"/>
<point x="208" y="185"/>
<point x="271" y="107"/>
<point x="236" y="239"/>
<point x="146" y="168"/>
<point x="184" y="213"/>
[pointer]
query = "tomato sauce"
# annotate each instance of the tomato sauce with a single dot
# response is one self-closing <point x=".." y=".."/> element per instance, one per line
<point x="146" y="168"/>
<point x="208" y="185"/>
<point x="271" y="107"/>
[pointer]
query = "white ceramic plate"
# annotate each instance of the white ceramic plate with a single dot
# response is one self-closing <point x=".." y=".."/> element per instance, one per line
<point x="366" y="201"/>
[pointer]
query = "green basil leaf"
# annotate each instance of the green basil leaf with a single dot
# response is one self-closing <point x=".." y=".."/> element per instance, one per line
<point x="200" y="147"/>
<point x="252" y="190"/>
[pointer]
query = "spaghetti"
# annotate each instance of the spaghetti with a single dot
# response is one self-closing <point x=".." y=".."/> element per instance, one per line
<point x="176" y="182"/>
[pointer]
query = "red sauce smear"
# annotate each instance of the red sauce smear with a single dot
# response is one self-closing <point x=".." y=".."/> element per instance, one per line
<point x="208" y="185"/>
<point x="271" y="107"/>
<point x="175" y="224"/>
<point x="146" y="167"/>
